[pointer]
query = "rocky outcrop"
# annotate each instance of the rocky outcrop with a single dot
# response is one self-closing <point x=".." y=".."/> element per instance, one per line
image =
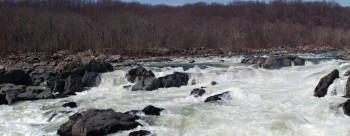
<point x="138" y="74"/>
<point x="151" y="110"/>
<point x="91" y="79"/>
<point x="146" y="80"/>
<point x="140" y="133"/>
<point x="14" y="76"/>
<point x="176" y="79"/>
<point x="275" y="62"/>
<point x="148" y="84"/>
<point x="197" y="92"/>
<point x="13" y="93"/>
<point x="97" y="123"/>
<point x="254" y="60"/>
<point x="224" y="95"/>
<point x="325" y="82"/>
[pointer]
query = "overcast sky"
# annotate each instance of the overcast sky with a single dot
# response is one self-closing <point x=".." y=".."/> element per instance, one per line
<point x="181" y="2"/>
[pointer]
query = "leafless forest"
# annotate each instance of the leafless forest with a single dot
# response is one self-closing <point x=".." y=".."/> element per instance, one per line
<point x="51" y="25"/>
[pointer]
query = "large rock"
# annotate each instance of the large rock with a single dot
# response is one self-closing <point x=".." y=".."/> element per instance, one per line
<point x="224" y="95"/>
<point x="72" y="84"/>
<point x="97" y="123"/>
<point x="138" y="74"/>
<point x="78" y="67"/>
<point x="148" y="84"/>
<point x="14" y="76"/>
<point x="325" y="82"/>
<point x="275" y="62"/>
<point x="176" y="79"/>
<point x="91" y="79"/>
<point x="151" y="110"/>
<point x="346" y="107"/>
<point x="197" y="92"/>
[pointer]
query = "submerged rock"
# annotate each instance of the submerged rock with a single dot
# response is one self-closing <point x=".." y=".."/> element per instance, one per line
<point x="325" y="82"/>
<point x="176" y="79"/>
<point x="151" y="110"/>
<point x="138" y="74"/>
<point x="97" y="123"/>
<point x="217" y="97"/>
<point x="140" y="133"/>
<point x="197" y="92"/>
<point x="347" y="73"/>
<point x="70" y="104"/>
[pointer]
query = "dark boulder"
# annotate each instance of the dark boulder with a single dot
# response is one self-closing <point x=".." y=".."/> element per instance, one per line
<point x="346" y="107"/>
<point x="97" y="65"/>
<point x="276" y="62"/>
<point x="14" y="76"/>
<point x="149" y="84"/>
<point x="91" y="79"/>
<point x="225" y="95"/>
<point x="70" y="104"/>
<point x="176" y="79"/>
<point x="325" y="82"/>
<point x="140" y="133"/>
<point x="72" y="84"/>
<point x="97" y="123"/>
<point x="197" y="92"/>
<point x="297" y="61"/>
<point x="192" y="61"/>
<point x="138" y="74"/>
<point x="213" y="83"/>
<point x="151" y="110"/>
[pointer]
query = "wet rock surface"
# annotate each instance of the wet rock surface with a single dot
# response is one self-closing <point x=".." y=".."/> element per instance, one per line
<point x="322" y="86"/>
<point x="96" y="122"/>
<point x="197" y="92"/>
<point x="217" y="97"/>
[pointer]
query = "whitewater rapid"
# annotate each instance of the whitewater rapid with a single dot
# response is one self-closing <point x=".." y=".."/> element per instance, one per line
<point x="264" y="102"/>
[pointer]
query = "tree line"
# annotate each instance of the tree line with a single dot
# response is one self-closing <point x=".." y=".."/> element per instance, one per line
<point x="78" y="25"/>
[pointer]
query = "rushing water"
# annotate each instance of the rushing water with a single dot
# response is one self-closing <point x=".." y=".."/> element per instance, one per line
<point x="264" y="102"/>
